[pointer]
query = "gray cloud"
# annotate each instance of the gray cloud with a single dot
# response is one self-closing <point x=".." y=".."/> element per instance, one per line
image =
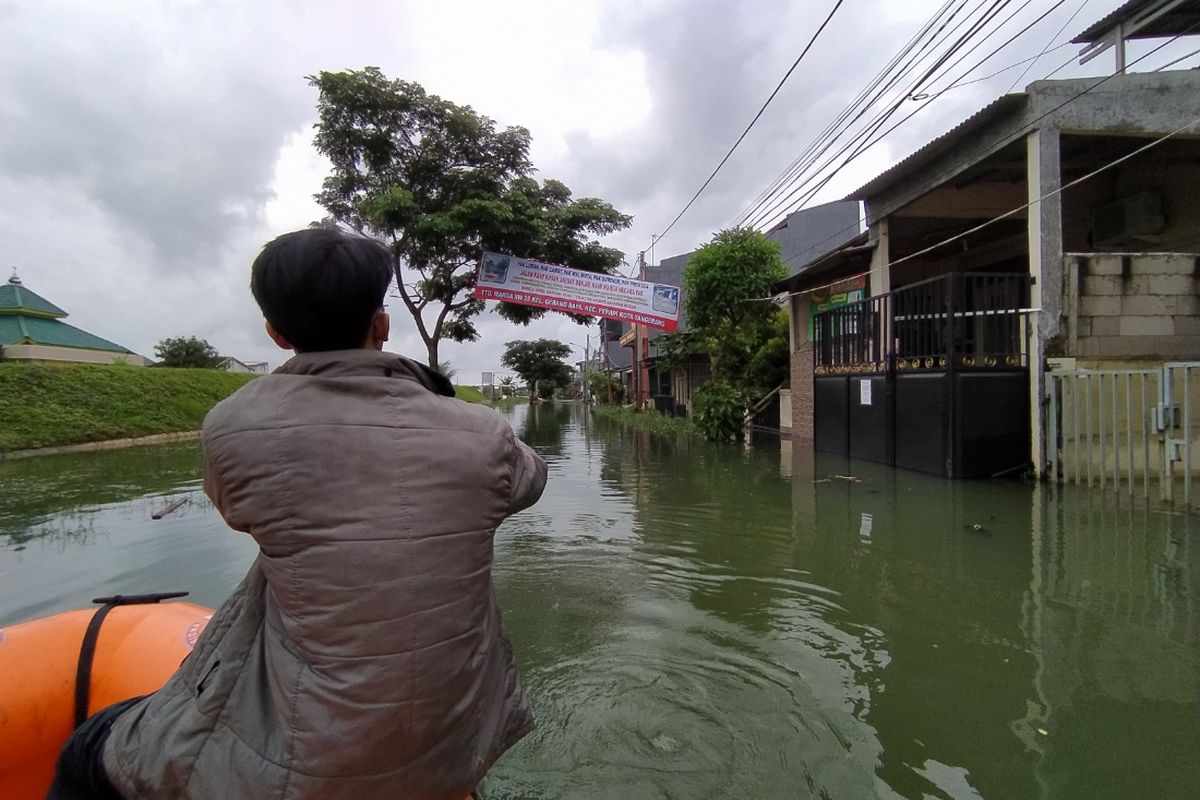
<point x="138" y="142"/>
<point x="169" y="125"/>
<point x="711" y="64"/>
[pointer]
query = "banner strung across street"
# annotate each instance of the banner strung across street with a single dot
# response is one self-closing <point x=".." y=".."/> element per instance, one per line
<point x="532" y="283"/>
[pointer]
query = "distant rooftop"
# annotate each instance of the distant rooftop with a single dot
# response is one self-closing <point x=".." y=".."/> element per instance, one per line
<point x="28" y="318"/>
<point x="1001" y="106"/>
<point x="14" y="297"/>
<point x="1147" y="19"/>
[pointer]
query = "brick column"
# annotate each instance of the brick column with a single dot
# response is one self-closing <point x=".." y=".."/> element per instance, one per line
<point x="802" y="370"/>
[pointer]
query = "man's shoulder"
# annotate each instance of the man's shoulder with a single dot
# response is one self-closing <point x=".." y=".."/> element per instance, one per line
<point x="474" y="417"/>
<point x="292" y="401"/>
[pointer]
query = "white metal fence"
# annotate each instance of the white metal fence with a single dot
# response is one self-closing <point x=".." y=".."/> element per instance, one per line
<point x="1126" y="429"/>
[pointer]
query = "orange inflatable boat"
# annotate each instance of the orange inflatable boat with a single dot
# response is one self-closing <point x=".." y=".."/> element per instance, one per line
<point x="58" y="670"/>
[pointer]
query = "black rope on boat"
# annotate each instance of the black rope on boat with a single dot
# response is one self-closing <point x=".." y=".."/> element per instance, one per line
<point x="87" y="649"/>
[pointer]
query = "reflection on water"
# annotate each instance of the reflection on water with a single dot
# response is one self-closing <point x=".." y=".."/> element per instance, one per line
<point x="696" y="621"/>
<point x="74" y="527"/>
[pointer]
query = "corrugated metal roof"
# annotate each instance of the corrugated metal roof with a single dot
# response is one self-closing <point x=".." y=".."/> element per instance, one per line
<point x="1002" y="105"/>
<point x="18" y="329"/>
<point x="1180" y="20"/>
<point x="15" y="297"/>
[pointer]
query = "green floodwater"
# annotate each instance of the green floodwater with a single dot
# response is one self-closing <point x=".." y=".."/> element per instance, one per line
<point x="696" y="621"/>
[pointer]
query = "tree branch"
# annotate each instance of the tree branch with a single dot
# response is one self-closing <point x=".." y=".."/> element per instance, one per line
<point x="414" y="310"/>
<point x="445" y="312"/>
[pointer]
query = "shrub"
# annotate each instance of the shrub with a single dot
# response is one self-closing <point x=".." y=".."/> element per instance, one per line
<point x="720" y="410"/>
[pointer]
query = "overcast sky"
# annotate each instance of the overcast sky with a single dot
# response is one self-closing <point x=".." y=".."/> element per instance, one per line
<point x="149" y="149"/>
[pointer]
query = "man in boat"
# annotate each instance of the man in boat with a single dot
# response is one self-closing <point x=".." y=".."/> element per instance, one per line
<point x="363" y="655"/>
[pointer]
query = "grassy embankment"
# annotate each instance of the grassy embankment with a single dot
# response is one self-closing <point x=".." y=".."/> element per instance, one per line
<point x="44" y="405"/>
<point x="51" y="405"/>
<point x="473" y="395"/>
<point x="652" y="421"/>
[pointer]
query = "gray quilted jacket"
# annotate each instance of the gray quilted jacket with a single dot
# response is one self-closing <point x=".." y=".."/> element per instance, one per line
<point x="363" y="655"/>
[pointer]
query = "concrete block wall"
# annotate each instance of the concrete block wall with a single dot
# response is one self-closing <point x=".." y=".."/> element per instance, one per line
<point x="1132" y="305"/>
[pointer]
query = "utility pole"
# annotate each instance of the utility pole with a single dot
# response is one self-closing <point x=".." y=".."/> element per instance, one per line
<point x="587" y="357"/>
<point x="637" y="342"/>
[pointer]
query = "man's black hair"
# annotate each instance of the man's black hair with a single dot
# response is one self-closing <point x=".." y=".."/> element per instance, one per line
<point x="320" y="288"/>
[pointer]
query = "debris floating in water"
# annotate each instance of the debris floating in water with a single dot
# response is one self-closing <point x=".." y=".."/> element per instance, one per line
<point x="169" y="509"/>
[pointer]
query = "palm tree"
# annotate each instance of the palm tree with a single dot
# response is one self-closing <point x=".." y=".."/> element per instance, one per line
<point x="508" y="386"/>
<point x="447" y="370"/>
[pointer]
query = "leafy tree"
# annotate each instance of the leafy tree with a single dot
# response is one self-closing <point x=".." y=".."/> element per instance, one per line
<point x="676" y="349"/>
<point x="440" y="184"/>
<point x="602" y="386"/>
<point x="540" y="364"/>
<point x="508" y="386"/>
<point x="726" y="281"/>
<point x="187" y="352"/>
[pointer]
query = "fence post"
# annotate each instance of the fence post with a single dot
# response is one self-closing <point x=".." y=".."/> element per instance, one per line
<point x="1051" y="445"/>
<point x="1162" y="424"/>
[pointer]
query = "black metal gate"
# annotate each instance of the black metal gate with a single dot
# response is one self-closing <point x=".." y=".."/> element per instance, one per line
<point x="932" y="377"/>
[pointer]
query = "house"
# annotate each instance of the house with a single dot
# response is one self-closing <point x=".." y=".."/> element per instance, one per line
<point x="32" y="330"/>
<point x="616" y="360"/>
<point x="231" y="364"/>
<point x="661" y="382"/>
<point x="1058" y="225"/>
<point x="669" y="384"/>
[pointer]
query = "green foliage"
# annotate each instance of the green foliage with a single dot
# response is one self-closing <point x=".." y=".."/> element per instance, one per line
<point x="185" y="352"/>
<point x="726" y="278"/>
<point x="50" y="405"/>
<point x="440" y="184"/>
<point x="508" y="386"/>
<point x="603" y="385"/>
<point x="676" y="349"/>
<point x="447" y="370"/>
<point x="720" y="410"/>
<point x="770" y="363"/>
<point x="652" y="421"/>
<point x="540" y="363"/>
<point x="744" y="336"/>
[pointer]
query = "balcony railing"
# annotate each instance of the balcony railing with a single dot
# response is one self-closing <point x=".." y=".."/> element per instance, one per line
<point x="955" y="321"/>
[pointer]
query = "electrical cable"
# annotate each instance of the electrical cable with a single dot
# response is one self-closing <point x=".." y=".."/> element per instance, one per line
<point x="869" y="137"/>
<point x="987" y="223"/>
<point x="1057" y="33"/>
<point x="788" y="74"/>
<point x="1026" y="129"/>
<point x="863" y="101"/>
<point x="761" y="217"/>
<point x="855" y="102"/>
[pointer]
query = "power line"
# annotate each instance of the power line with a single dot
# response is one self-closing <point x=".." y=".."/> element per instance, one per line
<point x="788" y="74"/>
<point x="961" y="83"/>
<point x="1057" y="33"/>
<point x="873" y="94"/>
<point x="1028" y="127"/>
<point x="858" y="99"/>
<point x="764" y="211"/>
<point x="1176" y="61"/>
<point x="987" y="223"/>
<point x="869" y="136"/>
<point x="865" y="99"/>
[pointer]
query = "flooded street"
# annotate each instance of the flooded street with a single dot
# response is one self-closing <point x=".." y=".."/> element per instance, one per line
<point x="697" y="621"/>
